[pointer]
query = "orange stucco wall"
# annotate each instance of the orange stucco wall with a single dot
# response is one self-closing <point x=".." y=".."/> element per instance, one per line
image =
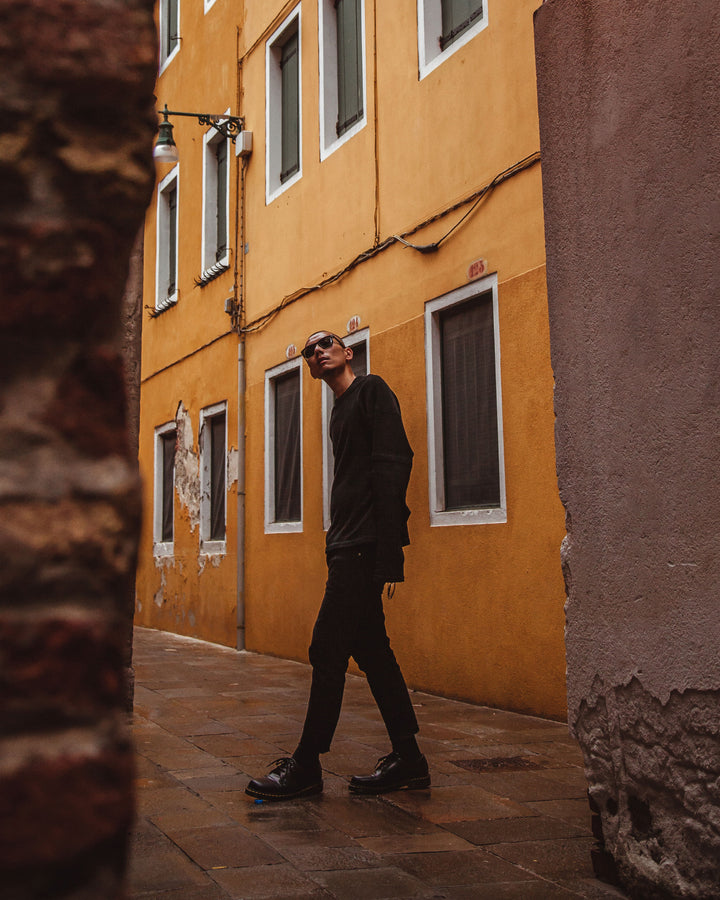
<point x="480" y="615"/>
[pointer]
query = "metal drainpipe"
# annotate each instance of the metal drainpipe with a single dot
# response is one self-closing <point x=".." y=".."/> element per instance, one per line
<point x="239" y="317"/>
<point x="240" y="598"/>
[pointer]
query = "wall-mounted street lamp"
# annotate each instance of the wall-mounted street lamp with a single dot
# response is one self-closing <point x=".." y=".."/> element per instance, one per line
<point x="228" y="126"/>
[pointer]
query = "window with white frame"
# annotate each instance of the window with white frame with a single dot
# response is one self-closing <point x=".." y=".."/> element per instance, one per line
<point x="216" y="187"/>
<point x="283" y="110"/>
<point x="283" y="448"/>
<point x="444" y="26"/>
<point x="163" y="512"/>
<point x="167" y="241"/>
<point x="465" y="440"/>
<point x="359" y="341"/>
<point x="213" y="477"/>
<point x="169" y="29"/>
<point x="342" y="71"/>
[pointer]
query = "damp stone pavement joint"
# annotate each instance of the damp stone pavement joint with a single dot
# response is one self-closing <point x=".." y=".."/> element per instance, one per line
<point x="507" y="815"/>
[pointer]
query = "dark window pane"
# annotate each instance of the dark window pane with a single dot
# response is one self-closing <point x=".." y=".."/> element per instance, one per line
<point x="349" y="64"/>
<point x="287" y="447"/>
<point x="470" y="432"/>
<point x="217" y="477"/>
<point x="359" y="360"/>
<point x="222" y="173"/>
<point x="170" y="35"/>
<point x="457" y="17"/>
<point x="290" y="124"/>
<point x="171" y="195"/>
<point x="167" y="447"/>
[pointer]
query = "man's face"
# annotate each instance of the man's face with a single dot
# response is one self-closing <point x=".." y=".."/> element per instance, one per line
<point x="325" y="360"/>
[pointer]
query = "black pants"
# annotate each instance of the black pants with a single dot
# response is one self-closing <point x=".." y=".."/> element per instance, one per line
<point x="351" y="623"/>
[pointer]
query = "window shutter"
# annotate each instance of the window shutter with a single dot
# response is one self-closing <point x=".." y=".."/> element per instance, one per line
<point x="217" y="478"/>
<point x="172" y="240"/>
<point x="290" y="124"/>
<point x="287" y="447"/>
<point x="470" y="428"/>
<point x="170" y="36"/>
<point x="221" y="200"/>
<point x="349" y="64"/>
<point x="457" y="17"/>
<point x="167" y="444"/>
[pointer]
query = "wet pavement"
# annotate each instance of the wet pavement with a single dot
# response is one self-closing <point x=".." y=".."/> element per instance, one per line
<point x="507" y="815"/>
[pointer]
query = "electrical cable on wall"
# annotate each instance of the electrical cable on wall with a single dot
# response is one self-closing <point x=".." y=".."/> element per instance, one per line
<point x="475" y="199"/>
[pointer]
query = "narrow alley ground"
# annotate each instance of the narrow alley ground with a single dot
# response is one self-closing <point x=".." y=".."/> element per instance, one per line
<point x="507" y="815"/>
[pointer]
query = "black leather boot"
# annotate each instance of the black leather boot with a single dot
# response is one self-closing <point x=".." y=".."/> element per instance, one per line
<point x="393" y="774"/>
<point x="287" y="781"/>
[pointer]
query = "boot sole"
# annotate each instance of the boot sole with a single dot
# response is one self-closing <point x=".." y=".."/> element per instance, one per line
<point x="414" y="784"/>
<point x="305" y="792"/>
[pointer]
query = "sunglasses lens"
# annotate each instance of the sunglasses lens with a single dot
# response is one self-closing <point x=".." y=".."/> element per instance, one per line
<point x="323" y="344"/>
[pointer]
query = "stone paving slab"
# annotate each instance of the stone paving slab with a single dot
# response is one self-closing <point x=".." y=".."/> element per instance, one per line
<point x="507" y="816"/>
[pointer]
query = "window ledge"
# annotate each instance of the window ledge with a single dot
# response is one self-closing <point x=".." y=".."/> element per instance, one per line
<point x="163" y="305"/>
<point x="283" y="527"/>
<point x="213" y="548"/>
<point x="497" y="516"/>
<point x="212" y="273"/>
<point x="163" y="548"/>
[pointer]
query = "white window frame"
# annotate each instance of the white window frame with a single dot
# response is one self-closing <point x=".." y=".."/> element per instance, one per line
<point x="211" y="139"/>
<point x="357" y="337"/>
<point x="208" y="546"/>
<point x="208" y="5"/>
<point x="162" y="16"/>
<point x="273" y="107"/>
<point x="430" y="56"/>
<point x="162" y="246"/>
<point x="433" y="365"/>
<point x="327" y="40"/>
<point x="271" y="526"/>
<point x="160" y="547"/>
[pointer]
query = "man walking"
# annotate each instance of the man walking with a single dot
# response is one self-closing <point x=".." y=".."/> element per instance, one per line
<point x="364" y="552"/>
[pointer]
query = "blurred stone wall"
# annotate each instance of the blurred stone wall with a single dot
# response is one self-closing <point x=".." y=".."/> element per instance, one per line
<point x="629" y="123"/>
<point x="76" y="129"/>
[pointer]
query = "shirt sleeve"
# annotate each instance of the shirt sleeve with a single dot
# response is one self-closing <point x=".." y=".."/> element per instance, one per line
<point x="391" y="462"/>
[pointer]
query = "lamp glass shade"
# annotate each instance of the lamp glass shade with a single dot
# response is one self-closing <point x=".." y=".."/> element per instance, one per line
<point x="165" y="148"/>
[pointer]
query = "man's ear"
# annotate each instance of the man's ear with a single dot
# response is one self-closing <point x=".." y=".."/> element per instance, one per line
<point x="349" y="353"/>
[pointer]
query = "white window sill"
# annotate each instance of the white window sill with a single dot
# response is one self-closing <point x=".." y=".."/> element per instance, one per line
<point x="167" y="303"/>
<point x="213" y="548"/>
<point x="283" y="527"/>
<point x="468" y="517"/>
<point x="164" y="548"/>
<point x="276" y="190"/>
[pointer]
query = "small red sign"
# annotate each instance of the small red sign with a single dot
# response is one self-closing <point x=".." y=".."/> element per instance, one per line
<point x="477" y="269"/>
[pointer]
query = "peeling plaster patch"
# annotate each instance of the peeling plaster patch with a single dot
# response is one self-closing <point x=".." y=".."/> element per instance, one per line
<point x="159" y="598"/>
<point x="187" y="467"/>
<point x="233" y="464"/>
<point x="162" y="563"/>
<point x="213" y="558"/>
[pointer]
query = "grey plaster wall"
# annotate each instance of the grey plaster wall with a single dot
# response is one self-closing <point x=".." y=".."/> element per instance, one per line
<point x="629" y="122"/>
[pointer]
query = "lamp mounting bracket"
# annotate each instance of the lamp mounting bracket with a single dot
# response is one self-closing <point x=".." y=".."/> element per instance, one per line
<point x="228" y="126"/>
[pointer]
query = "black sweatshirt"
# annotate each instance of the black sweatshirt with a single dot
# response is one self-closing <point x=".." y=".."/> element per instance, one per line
<point x="372" y="468"/>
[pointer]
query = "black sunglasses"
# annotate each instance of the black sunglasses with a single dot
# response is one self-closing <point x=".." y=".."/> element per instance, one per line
<point x="324" y="343"/>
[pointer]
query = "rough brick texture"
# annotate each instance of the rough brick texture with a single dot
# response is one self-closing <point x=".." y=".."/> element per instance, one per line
<point x="76" y="128"/>
<point x="654" y="775"/>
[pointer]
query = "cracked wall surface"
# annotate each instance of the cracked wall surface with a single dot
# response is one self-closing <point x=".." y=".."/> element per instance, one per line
<point x="628" y="111"/>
